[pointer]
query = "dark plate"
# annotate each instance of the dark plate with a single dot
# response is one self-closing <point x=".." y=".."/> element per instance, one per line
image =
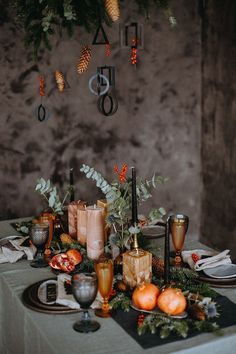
<point x="30" y="299"/>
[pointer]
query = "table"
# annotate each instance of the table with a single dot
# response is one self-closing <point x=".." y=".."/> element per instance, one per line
<point x="23" y="331"/>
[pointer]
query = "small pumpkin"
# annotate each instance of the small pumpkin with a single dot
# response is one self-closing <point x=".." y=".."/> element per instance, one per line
<point x="145" y="296"/>
<point x="172" y="301"/>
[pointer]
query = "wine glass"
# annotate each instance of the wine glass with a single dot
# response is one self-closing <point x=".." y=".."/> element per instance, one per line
<point x="39" y="235"/>
<point x="178" y="229"/>
<point x="84" y="289"/>
<point x="104" y="271"/>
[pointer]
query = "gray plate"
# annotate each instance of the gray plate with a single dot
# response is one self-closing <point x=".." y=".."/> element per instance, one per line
<point x="226" y="271"/>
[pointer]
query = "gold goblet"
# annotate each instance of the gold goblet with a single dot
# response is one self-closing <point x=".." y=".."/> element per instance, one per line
<point x="104" y="271"/>
<point x="178" y="229"/>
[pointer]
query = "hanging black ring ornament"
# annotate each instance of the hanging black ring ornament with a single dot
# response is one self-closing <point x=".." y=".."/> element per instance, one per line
<point x="112" y="102"/>
<point x="99" y="76"/>
<point x="41" y="113"/>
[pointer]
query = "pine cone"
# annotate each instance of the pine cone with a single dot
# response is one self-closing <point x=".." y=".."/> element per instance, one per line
<point x="112" y="8"/>
<point x="157" y="266"/>
<point x="60" y="80"/>
<point x="197" y="312"/>
<point x="65" y="238"/>
<point x="84" y="59"/>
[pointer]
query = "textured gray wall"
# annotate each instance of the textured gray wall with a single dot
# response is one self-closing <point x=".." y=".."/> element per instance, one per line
<point x="157" y="126"/>
<point x="218" y="125"/>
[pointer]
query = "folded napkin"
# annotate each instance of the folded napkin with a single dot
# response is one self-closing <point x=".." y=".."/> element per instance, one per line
<point x="11" y="249"/>
<point x="214" y="260"/>
<point x="68" y="299"/>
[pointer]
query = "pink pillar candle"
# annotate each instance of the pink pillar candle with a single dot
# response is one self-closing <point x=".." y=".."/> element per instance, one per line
<point x="82" y="225"/>
<point x="95" y="232"/>
<point x="72" y="219"/>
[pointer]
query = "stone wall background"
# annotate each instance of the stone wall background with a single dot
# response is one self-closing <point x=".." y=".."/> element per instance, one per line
<point x="157" y="126"/>
<point x="218" y="125"/>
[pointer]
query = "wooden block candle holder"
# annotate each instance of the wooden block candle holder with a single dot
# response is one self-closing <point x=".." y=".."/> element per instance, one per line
<point x="137" y="267"/>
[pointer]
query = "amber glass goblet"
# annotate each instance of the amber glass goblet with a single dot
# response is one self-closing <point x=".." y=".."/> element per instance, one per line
<point x="178" y="230"/>
<point x="104" y="271"/>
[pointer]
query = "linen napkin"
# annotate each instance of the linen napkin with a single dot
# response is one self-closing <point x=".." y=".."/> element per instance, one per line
<point x="68" y="299"/>
<point x="12" y="249"/>
<point x="213" y="260"/>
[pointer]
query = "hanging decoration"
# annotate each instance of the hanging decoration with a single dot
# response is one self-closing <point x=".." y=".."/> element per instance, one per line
<point x="60" y="80"/>
<point x="99" y="78"/>
<point x="134" y="51"/>
<point x="41" y="19"/>
<point x="107" y="103"/>
<point x="100" y="36"/>
<point x="41" y="110"/>
<point x="113" y="10"/>
<point x="84" y="59"/>
<point x="107" y="49"/>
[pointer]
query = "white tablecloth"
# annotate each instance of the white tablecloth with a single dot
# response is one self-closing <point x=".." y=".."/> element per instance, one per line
<point x="23" y="331"/>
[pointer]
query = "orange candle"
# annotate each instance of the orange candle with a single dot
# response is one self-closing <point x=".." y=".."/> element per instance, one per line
<point x="95" y="232"/>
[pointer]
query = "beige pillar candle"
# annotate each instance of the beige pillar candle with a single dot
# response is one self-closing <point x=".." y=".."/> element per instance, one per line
<point x="72" y="217"/>
<point x="95" y="232"/>
<point x="82" y="225"/>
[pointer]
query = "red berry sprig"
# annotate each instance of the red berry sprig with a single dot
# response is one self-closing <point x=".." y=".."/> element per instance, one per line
<point x="195" y="257"/>
<point x="140" y="320"/>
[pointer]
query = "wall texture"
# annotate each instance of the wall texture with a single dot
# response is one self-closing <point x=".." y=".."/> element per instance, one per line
<point x="156" y="128"/>
<point x="218" y="125"/>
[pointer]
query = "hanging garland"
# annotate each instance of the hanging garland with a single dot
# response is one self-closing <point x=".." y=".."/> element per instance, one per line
<point x="41" y="18"/>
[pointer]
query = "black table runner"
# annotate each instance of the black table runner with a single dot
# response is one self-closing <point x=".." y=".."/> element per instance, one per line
<point x="128" y="321"/>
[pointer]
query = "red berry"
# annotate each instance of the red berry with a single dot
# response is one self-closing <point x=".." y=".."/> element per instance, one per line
<point x="195" y="257"/>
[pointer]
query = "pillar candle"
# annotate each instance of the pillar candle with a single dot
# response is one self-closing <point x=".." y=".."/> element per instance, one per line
<point x="137" y="267"/>
<point x="95" y="232"/>
<point x="72" y="217"/>
<point x="102" y="203"/>
<point x="82" y="225"/>
<point x="134" y="198"/>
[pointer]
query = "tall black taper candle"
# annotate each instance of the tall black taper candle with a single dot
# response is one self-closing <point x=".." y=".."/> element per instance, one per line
<point x="167" y="253"/>
<point x="72" y="191"/>
<point x="134" y="198"/>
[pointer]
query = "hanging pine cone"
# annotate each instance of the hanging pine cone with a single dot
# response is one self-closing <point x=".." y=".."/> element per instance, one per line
<point x="112" y="8"/>
<point x="84" y="59"/>
<point x="60" y="80"/>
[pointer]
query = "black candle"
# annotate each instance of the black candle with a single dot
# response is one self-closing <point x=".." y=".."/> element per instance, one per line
<point x="167" y="253"/>
<point x="72" y="192"/>
<point x="134" y="198"/>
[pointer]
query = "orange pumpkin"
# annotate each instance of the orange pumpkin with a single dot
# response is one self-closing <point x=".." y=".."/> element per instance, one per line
<point x="172" y="301"/>
<point x="145" y="296"/>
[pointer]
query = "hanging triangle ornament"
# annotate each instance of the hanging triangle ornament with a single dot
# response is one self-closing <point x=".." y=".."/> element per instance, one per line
<point x="100" y="36"/>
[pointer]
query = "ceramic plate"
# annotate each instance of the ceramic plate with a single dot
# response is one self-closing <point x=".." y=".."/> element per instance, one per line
<point x="222" y="272"/>
<point x="153" y="231"/>
<point x="156" y="311"/>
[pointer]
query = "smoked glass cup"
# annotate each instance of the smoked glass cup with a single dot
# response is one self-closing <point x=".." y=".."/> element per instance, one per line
<point x="39" y="234"/>
<point x="104" y="271"/>
<point x="84" y="289"/>
<point x="178" y="229"/>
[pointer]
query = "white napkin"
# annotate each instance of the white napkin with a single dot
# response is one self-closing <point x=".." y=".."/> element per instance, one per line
<point x="68" y="299"/>
<point x="212" y="261"/>
<point x="11" y="250"/>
